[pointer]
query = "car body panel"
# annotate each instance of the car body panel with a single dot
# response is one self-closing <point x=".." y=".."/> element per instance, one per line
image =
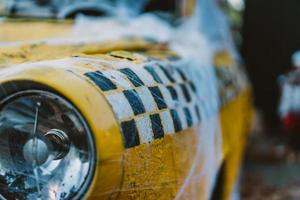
<point x="174" y="166"/>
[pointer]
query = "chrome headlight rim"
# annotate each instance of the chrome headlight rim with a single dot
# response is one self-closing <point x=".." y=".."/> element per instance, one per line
<point x="18" y="89"/>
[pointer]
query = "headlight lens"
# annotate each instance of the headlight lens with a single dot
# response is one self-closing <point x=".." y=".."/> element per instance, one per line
<point x="46" y="149"/>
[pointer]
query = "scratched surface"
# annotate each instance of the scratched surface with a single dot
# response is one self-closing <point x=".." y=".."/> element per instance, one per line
<point x="167" y="105"/>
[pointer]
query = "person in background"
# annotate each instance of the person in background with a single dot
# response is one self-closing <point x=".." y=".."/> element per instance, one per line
<point x="289" y="109"/>
<point x="270" y="35"/>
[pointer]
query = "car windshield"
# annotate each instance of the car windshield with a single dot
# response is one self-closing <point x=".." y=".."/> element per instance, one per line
<point x="71" y="8"/>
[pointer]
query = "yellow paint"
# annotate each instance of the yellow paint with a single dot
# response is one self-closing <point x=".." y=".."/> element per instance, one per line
<point x="38" y="52"/>
<point x="151" y="171"/>
<point x="188" y="7"/>
<point x="158" y="170"/>
<point x="223" y="58"/>
<point x="28" y="30"/>
<point x="98" y="115"/>
<point x="235" y="120"/>
<point x="155" y="170"/>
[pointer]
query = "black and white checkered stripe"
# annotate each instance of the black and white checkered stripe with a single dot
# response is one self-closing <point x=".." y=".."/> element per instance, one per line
<point x="149" y="101"/>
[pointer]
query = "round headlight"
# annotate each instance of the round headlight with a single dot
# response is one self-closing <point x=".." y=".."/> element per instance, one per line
<point x="46" y="148"/>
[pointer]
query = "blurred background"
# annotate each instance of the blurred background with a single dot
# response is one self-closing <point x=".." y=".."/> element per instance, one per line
<point x="268" y="40"/>
<point x="267" y="36"/>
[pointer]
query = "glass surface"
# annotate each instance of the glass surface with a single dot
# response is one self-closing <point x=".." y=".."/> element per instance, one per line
<point x="99" y="8"/>
<point x="46" y="150"/>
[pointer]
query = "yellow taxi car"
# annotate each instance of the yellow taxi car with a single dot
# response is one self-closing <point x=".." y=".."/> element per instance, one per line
<point x="116" y="113"/>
